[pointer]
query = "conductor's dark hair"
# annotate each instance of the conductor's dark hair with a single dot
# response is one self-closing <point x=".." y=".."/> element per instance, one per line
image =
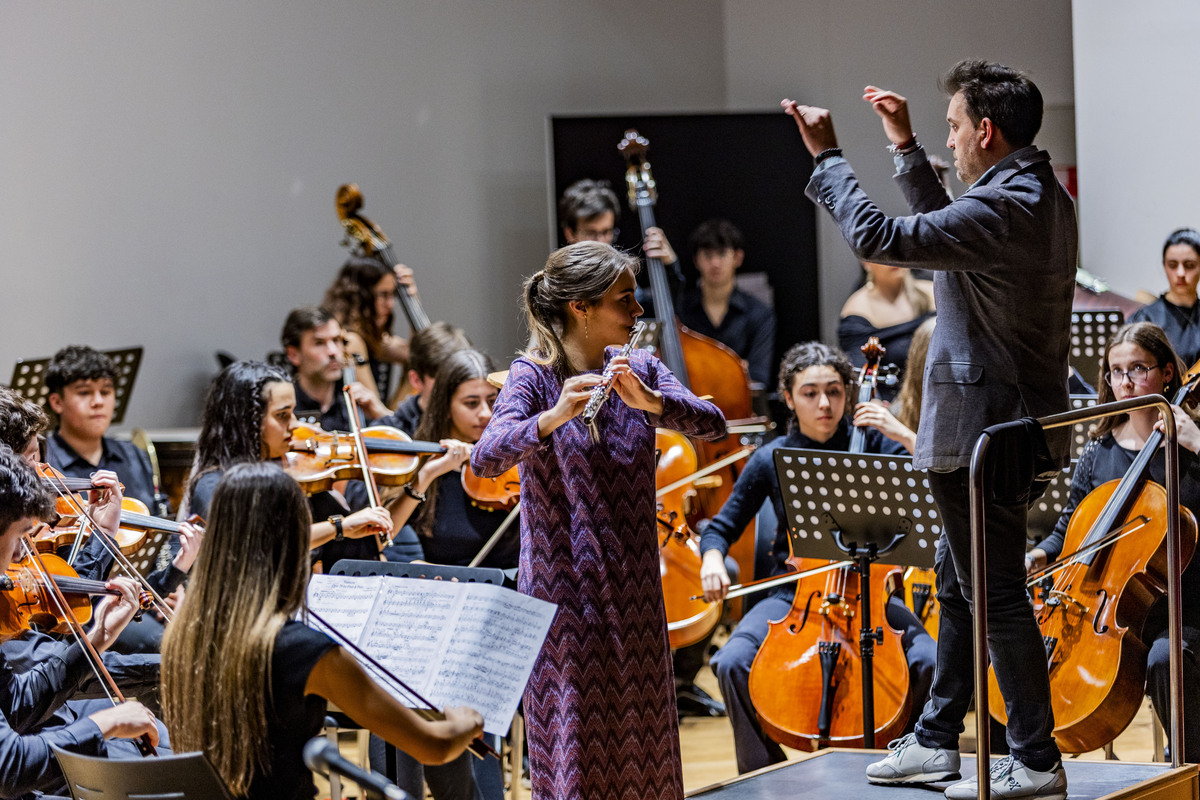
<point x="78" y="362"/>
<point x="800" y="357"/>
<point x="585" y="199"/>
<point x="300" y="321"/>
<point x="22" y="493"/>
<point x="1188" y="236"/>
<point x="716" y="235"/>
<point x="20" y="419"/>
<point x="1002" y="94"/>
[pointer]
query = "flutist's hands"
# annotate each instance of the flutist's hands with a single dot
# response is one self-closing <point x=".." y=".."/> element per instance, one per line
<point x="630" y="388"/>
<point x="893" y="110"/>
<point x="571" y="402"/>
<point x="815" y="124"/>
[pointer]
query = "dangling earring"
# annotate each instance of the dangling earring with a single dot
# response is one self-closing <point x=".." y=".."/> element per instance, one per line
<point x="585" y="327"/>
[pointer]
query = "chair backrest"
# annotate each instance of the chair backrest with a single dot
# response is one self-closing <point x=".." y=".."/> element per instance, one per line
<point x="187" y="776"/>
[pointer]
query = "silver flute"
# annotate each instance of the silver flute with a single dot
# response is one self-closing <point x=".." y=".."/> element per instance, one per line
<point x="600" y="390"/>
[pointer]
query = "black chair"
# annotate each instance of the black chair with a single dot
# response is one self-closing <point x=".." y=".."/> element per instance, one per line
<point x="187" y="776"/>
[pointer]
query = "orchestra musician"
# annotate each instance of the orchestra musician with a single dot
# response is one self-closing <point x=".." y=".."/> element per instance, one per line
<point x="313" y="344"/>
<point x="1176" y="310"/>
<point x="81" y="383"/>
<point x="40" y="674"/>
<point x="600" y="706"/>
<point x="363" y="299"/>
<point x="1138" y="361"/>
<point x="814" y="381"/>
<point x="427" y="349"/>
<point x="238" y="620"/>
<point x="891" y="305"/>
<point x="1004" y="254"/>
<point x="248" y="417"/>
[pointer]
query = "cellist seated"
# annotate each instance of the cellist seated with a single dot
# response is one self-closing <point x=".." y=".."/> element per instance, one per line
<point x="814" y="380"/>
<point x="1139" y="361"/>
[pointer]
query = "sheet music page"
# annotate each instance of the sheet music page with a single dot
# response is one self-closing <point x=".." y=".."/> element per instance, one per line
<point x="489" y="659"/>
<point x="456" y="644"/>
<point x="344" y="601"/>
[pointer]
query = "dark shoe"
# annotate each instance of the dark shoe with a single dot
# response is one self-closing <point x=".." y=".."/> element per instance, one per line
<point x="692" y="701"/>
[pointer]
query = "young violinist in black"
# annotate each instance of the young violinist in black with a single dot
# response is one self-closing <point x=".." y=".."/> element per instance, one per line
<point x="814" y="380"/>
<point x="242" y="617"/>
<point x="40" y="680"/>
<point x="248" y="416"/>
<point x="1139" y="361"/>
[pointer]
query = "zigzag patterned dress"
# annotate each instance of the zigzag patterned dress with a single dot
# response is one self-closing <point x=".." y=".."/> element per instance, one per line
<point x="600" y="706"/>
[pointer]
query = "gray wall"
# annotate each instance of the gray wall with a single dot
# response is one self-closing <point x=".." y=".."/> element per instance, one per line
<point x="169" y="168"/>
<point x="1137" y="114"/>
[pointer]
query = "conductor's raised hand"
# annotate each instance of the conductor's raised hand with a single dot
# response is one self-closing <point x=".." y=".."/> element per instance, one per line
<point x="893" y="110"/>
<point x="815" y="124"/>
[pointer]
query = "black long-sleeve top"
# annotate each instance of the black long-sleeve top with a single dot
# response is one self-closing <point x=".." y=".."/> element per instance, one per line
<point x="760" y="481"/>
<point x="1103" y="460"/>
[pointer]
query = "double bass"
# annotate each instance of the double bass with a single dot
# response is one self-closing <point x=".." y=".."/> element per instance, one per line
<point x="1092" y="614"/>
<point x="704" y="365"/>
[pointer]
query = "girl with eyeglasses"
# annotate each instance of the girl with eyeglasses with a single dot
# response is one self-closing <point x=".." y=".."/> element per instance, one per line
<point x="1139" y="361"/>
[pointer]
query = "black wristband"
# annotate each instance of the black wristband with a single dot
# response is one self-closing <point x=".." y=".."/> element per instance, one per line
<point x="827" y="153"/>
<point x="413" y="493"/>
<point x="338" y="533"/>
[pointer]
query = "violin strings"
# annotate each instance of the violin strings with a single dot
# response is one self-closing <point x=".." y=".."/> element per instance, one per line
<point x="160" y="605"/>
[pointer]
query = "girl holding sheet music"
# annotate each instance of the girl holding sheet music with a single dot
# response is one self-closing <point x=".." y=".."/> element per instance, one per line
<point x="600" y="704"/>
<point x="244" y="681"/>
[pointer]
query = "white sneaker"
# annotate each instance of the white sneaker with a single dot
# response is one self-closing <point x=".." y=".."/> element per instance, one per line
<point x="910" y="762"/>
<point x="1010" y="778"/>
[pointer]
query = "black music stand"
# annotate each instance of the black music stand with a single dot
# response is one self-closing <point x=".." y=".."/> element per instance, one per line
<point x="152" y="553"/>
<point x="859" y="506"/>
<point x="1090" y="332"/>
<point x="29" y="378"/>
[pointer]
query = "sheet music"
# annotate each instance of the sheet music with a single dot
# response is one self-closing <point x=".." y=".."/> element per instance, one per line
<point x="470" y="644"/>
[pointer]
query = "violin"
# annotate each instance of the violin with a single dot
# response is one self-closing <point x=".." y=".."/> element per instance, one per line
<point x="136" y="522"/>
<point x="1092" y="614"/>
<point x="319" y="459"/>
<point x="689" y="619"/>
<point x="874" y="351"/>
<point x="365" y="238"/>
<point x="25" y="599"/>
<point x="501" y="493"/>
<point x="703" y="365"/>
<point x="806" y="680"/>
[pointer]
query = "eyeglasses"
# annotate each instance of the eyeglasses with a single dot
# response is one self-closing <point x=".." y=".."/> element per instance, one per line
<point x="1138" y="374"/>
<point x="606" y="236"/>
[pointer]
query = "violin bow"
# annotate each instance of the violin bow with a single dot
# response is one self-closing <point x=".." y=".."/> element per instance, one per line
<point x="491" y="542"/>
<point x="428" y="711"/>
<point x="368" y="476"/>
<point x="89" y="650"/>
<point x="160" y="605"/>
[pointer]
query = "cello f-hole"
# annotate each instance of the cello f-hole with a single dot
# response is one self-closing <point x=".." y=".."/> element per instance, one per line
<point x="1103" y="595"/>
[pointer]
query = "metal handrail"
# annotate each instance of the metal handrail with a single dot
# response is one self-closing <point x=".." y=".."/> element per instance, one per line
<point x="979" y="572"/>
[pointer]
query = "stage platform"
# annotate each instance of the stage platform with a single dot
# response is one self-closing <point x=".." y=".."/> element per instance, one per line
<point x="839" y="774"/>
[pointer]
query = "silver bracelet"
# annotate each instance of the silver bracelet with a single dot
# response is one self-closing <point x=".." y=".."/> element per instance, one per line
<point x="911" y="146"/>
<point x="413" y="493"/>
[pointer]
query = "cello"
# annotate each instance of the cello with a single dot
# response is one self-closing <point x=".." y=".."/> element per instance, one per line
<point x="703" y="365"/>
<point x="1092" y="614"/>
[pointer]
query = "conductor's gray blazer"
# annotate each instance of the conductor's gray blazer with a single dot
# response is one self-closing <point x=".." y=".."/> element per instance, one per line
<point x="1005" y="256"/>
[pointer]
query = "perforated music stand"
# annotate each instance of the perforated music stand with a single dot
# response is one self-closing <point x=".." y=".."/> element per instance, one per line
<point x="865" y="507"/>
<point x="152" y="553"/>
<point x="842" y="504"/>
<point x="29" y="378"/>
<point x="1090" y="332"/>
<point x="1044" y="513"/>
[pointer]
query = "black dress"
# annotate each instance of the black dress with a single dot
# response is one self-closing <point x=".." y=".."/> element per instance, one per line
<point x="853" y="332"/>
<point x="293" y="717"/>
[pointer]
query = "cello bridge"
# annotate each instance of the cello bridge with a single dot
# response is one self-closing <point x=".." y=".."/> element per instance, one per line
<point x="1056" y="597"/>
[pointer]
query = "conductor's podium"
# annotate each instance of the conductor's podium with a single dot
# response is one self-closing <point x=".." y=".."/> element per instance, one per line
<point x="841" y="774"/>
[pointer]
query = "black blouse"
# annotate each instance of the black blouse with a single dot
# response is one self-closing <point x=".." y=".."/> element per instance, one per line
<point x="461" y="529"/>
